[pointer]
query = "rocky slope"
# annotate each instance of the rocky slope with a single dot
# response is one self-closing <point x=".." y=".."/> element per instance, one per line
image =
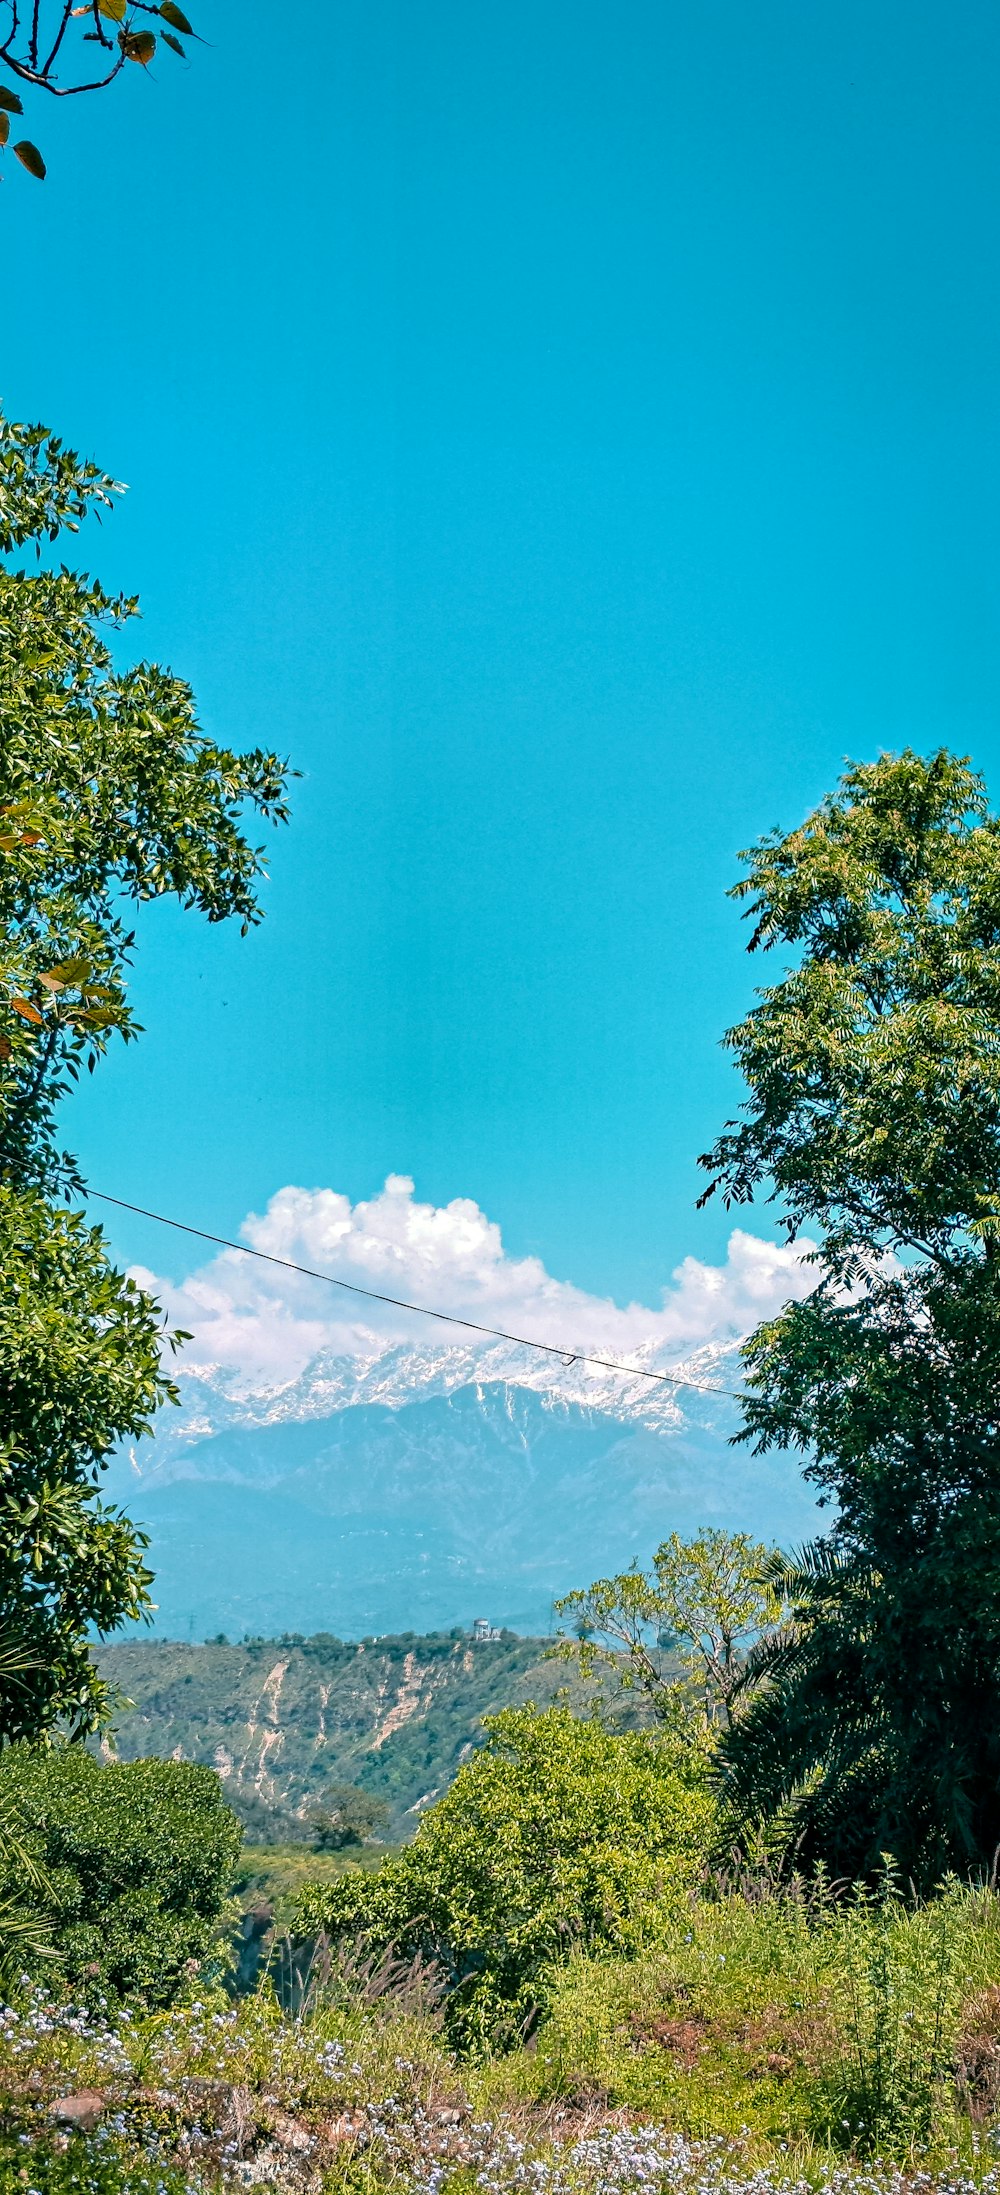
<point x="280" y="1719"/>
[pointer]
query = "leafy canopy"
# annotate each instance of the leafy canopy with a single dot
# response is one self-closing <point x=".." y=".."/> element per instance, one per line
<point x="110" y="795"/>
<point x="135" y="1860"/>
<point x="873" y="1115"/>
<point x="874" y="1065"/>
<point x="558" y="1834"/>
<point x="682" y="1634"/>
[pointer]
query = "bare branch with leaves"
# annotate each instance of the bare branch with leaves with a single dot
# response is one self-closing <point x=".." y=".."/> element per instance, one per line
<point x="42" y="47"/>
<point x="682" y="1635"/>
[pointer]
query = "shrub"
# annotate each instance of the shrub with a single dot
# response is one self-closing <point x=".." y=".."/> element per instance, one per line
<point x="137" y="1859"/>
<point x="86" y="2168"/>
<point x="558" y="1834"/>
<point x="347" y="1816"/>
<point x="860" y="2022"/>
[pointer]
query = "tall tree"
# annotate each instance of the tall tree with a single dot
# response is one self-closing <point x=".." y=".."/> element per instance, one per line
<point x="873" y="1117"/>
<point x="681" y="1635"/>
<point x="110" y="794"/>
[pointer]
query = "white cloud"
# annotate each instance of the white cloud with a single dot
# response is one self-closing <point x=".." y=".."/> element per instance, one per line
<point x="264" y="1324"/>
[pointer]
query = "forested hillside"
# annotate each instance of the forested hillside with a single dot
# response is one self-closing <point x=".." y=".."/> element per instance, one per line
<point x="282" y="1719"/>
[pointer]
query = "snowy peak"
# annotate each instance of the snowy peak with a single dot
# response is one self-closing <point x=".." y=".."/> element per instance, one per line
<point x="417" y="1488"/>
<point x="696" y="1390"/>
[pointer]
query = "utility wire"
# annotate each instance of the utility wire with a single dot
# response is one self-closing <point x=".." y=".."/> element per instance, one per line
<point x="447" y="1318"/>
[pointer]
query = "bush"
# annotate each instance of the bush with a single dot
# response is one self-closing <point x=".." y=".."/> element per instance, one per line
<point x="85" y="2168"/>
<point x="137" y="1857"/>
<point x="347" y="1816"/>
<point x="560" y="1834"/>
<point x="855" y="2022"/>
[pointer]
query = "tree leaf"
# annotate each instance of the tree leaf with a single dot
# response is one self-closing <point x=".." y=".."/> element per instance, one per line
<point x="10" y="101"/>
<point x="4" y="134"/>
<point x="138" y="45"/>
<point x="30" y="158"/>
<point x="174" y="44"/>
<point x="115" y="9"/>
<point x="81" y="1348"/>
<point x="176" y="18"/>
<point x="74" y="970"/>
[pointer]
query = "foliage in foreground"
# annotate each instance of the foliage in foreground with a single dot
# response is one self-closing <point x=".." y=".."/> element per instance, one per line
<point x="110" y="795"/>
<point x="765" y="2040"/>
<point x="873" y="1115"/>
<point x="559" y="1833"/>
<point x="859" y="2022"/>
<point x="135" y="1864"/>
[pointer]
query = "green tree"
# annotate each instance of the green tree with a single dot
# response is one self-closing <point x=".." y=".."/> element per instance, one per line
<point x="873" y="1118"/>
<point x="110" y="794"/>
<point x="346" y="1816"/>
<point x="682" y="1634"/>
<point x="133" y="1862"/>
<point x="557" y="1835"/>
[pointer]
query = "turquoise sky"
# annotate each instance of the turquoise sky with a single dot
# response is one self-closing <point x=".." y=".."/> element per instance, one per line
<point x="569" y="430"/>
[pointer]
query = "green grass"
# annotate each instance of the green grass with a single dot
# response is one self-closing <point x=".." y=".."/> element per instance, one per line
<point x="858" y="2027"/>
<point x="35" y="2167"/>
<point x="770" y="2037"/>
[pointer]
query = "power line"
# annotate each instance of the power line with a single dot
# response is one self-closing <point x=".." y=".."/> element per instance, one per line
<point x="447" y="1318"/>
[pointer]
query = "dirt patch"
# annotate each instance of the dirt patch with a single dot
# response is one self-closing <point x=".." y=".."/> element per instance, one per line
<point x="776" y="2041"/>
<point x="407" y="1703"/>
<point x="686" y="2039"/>
<point x="977" y="2059"/>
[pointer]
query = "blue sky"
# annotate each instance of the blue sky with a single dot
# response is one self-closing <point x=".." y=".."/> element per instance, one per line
<point x="568" y="431"/>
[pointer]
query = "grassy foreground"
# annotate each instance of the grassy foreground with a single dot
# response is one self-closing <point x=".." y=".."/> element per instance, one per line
<point x="773" y="2040"/>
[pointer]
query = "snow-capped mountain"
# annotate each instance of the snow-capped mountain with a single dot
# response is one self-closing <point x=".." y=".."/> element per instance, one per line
<point x="698" y="1388"/>
<point x="414" y="1488"/>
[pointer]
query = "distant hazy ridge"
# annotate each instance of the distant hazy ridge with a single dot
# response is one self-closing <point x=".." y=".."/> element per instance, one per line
<point x="425" y="1487"/>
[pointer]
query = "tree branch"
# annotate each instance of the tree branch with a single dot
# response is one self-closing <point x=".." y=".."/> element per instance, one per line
<point x="60" y="35"/>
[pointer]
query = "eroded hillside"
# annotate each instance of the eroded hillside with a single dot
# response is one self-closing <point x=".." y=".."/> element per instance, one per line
<point x="281" y="1719"/>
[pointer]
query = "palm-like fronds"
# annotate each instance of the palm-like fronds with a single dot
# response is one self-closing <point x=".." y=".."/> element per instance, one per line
<point x="816" y="1744"/>
<point x="25" y="1931"/>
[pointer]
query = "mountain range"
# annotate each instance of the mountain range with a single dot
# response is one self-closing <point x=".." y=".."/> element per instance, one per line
<point x="418" y="1488"/>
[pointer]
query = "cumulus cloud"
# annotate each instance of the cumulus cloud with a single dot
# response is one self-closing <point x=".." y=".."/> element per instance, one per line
<point x="263" y="1325"/>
